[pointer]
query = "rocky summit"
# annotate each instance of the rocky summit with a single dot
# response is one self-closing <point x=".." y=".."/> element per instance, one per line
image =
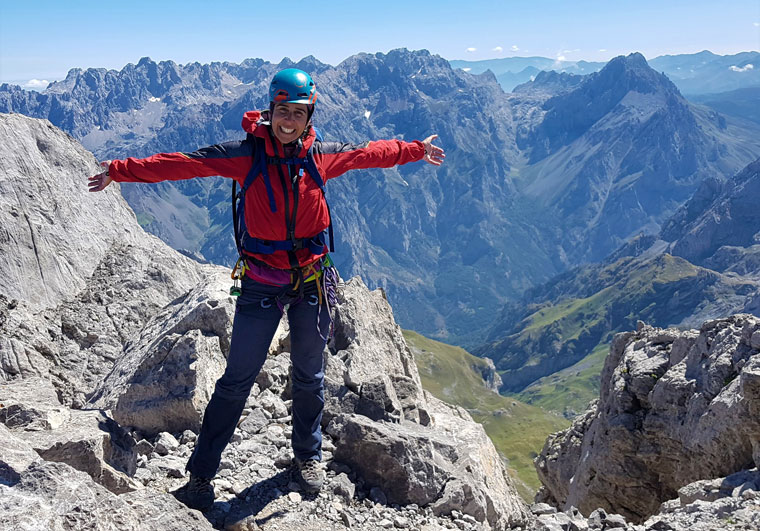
<point x="105" y="378"/>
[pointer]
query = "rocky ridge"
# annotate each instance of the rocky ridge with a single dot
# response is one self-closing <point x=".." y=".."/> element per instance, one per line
<point x="103" y="392"/>
<point x="674" y="435"/>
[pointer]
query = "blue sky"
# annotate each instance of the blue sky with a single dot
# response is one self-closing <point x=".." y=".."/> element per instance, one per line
<point x="44" y="39"/>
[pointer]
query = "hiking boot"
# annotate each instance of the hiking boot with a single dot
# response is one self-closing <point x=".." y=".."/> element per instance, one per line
<point x="310" y="475"/>
<point x="197" y="493"/>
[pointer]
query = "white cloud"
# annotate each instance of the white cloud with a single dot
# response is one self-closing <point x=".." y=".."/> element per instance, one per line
<point x="561" y="58"/>
<point x="470" y="50"/>
<point x="498" y="49"/>
<point x="756" y="24"/>
<point x="466" y="69"/>
<point x="36" y="84"/>
<point x="745" y="68"/>
<point x="515" y="48"/>
<point x="602" y="49"/>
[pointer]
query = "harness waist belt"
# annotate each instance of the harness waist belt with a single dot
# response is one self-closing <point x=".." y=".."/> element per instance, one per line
<point x="315" y="244"/>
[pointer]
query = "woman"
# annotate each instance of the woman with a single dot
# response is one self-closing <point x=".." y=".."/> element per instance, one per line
<point x="281" y="168"/>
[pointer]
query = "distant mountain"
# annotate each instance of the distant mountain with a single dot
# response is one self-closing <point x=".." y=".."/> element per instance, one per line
<point x="533" y="183"/>
<point x="655" y="279"/>
<point x="698" y="73"/>
<point x="512" y="65"/>
<point x="743" y="103"/>
<point x="706" y="72"/>
<point x="549" y="82"/>
<point x="720" y="219"/>
<point x="619" y="152"/>
<point x="514" y="71"/>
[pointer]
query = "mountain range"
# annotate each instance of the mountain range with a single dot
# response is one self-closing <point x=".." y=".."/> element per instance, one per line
<point x="703" y="264"/>
<point x="697" y="73"/>
<point x="558" y="173"/>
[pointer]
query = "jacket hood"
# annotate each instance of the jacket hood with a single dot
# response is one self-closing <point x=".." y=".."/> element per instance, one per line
<point x="251" y="120"/>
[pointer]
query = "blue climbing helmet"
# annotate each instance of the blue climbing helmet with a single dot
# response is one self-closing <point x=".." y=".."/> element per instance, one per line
<point x="292" y="86"/>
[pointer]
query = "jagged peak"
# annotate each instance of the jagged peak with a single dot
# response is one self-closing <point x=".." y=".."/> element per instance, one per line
<point x="635" y="59"/>
<point x="631" y="72"/>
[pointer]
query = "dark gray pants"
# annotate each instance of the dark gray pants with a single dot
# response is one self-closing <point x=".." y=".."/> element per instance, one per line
<point x="256" y="317"/>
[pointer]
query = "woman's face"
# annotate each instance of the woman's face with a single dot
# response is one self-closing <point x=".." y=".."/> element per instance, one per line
<point x="289" y="121"/>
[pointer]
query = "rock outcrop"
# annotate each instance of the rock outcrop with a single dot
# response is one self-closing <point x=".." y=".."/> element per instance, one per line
<point x="78" y="276"/>
<point x="675" y="407"/>
<point x="104" y="385"/>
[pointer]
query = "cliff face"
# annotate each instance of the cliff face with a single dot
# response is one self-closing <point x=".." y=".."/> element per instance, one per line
<point x="675" y="407"/>
<point x="105" y="382"/>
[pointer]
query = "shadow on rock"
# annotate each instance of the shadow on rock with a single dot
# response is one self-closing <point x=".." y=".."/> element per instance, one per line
<point x="253" y="507"/>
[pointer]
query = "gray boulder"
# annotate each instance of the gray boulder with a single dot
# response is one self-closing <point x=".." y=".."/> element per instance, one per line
<point x="675" y="407"/>
<point x="167" y="374"/>
<point x="89" y="441"/>
<point x="55" y="496"/>
<point x="31" y="404"/>
<point x="401" y="440"/>
<point x="367" y="339"/>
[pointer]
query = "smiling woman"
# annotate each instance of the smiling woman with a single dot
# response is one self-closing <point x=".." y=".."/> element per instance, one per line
<point x="289" y="121"/>
<point x="292" y="95"/>
<point x="282" y="230"/>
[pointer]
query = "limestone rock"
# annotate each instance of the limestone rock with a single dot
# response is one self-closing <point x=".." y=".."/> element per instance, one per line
<point x="378" y="400"/>
<point x="480" y="485"/>
<point x="675" y="407"/>
<point x="367" y="339"/>
<point x="15" y="456"/>
<point x="31" y="404"/>
<point x="167" y="374"/>
<point x="92" y="443"/>
<point x="87" y="440"/>
<point x="69" y="300"/>
<point x="429" y="453"/>
<point x="406" y="462"/>
<point x="452" y="467"/>
<point x="55" y="496"/>
<point x="48" y="216"/>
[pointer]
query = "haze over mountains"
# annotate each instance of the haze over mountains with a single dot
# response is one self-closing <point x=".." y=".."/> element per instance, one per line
<point x="560" y="172"/>
<point x="698" y="73"/>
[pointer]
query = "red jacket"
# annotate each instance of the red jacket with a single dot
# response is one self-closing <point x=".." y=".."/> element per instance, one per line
<point x="234" y="160"/>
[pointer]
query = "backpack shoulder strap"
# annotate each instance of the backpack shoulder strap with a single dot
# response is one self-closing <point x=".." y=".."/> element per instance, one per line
<point x="259" y="167"/>
<point x="311" y="167"/>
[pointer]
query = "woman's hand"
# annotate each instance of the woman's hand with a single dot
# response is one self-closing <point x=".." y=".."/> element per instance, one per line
<point x="100" y="181"/>
<point x="433" y="154"/>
